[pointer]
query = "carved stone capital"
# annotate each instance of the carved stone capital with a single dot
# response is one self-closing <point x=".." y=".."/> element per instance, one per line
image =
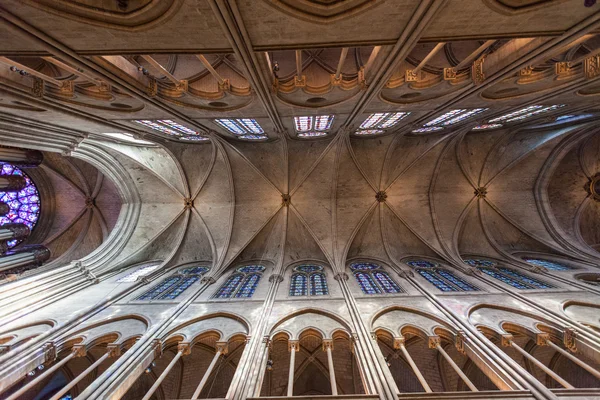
<point x="562" y="68"/>
<point x="526" y="71"/>
<point x="411" y="76"/>
<point x="541" y="339"/>
<point x="275" y="278"/>
<point x="591" y="67"/>
<point x="38" y="87"/>
<point x="20" y="231"/>
<point x="570" y="339"/>
<point x="114" y="350"/>
<point x="449" y="74"/>
<point x="293" y="345"/>
<point x="335" y="81"/>
<point x="157" y="347"/>
<point x="327" y="344"/>
<point x="79" y="350"/>
<point x="341" y="276"/>
<point x="225" y="86"/>
<point x="399" y="342"/>
<point x="152" y="88"/>
<point x="49" y="352"/>
<point x="460" y="342"/>
<point x="507" y="339"/>
<point x="222" y="347"/>
<point x="67" y="88"/>
<point x="300" y="81"/>
<point x="433" y="341"/>
<point x="209" y="280"/>
<point x="477" y="74"/>
<point x="185" y="348"/>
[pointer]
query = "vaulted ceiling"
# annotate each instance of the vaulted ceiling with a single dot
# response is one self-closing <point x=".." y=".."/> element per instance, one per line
<point x="81" y="70"/>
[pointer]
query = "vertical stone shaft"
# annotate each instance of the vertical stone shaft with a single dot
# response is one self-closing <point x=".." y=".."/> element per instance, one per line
<point x="21" y="157"/>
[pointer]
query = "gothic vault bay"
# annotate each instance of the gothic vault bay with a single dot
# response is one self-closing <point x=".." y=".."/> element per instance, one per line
<point x="313" y="199"/>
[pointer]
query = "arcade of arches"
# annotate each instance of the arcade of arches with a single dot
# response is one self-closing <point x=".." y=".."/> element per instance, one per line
<point x="360" y="199"/>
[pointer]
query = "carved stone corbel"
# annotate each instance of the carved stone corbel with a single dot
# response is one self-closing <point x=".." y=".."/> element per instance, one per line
<point x="570" y="339"/>
<point x="293" y="345"/>
<point x="327" y="344"/>
<point x="361" y="78"/>
<point x="275" y="278"/>
<point x="300" y="81"/>
<point x="79" y="350"/>
<point x="399" y="342"/>
<point x="411" y="76"/>
<point x="152" y="88"/>
<point x="341" y="276"/>
<point x="185" y="348"/>
<point x="222" y="347"/>
<point x="225" y="86"/>
<point x="477" y="74"/>
<point x="335" y="81"/>
<point x="449" y="74"/>
<point x="591" y="67"/>
<point x="49" y="352"/>
<point x="433" y="341"/>
<point x="38" y="87"/>
<point x="460" y="342"/>
<point x="541" y="339"/>
<point x="114" y="350"/>
<point x="67" y="88"/>
<point x="506" y="339"/>
<point x="526" y="71"/>
<point x="562" y="68"/>
<point x="157" y="348"/>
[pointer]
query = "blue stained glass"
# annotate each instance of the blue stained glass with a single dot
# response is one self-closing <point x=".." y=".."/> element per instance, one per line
<point x="251" y="268"/>
<point x="524" y="278"/>
<point x="457" y="281"/>
<point x="180" y="288"/>
<point x="248" y="286"/>
<point x="194" y="271"/>
<point x="318" y="284"/>
<point x="437" y="282"/>
<point x="479" y="263"/>
<point x="231" y="126"/>
<point x="421" y="264"/>
<point x="366" y="283"/>
<point x="505" y="279"/>
<point x="363" y="267"/>
<point x="308" y="268"/>
<point x="547" y="264"/>
<point x="229" y="287"/>
<point x="298" y="285"/>
<point x="24" y="205"/>
<point x="387" y="284"/>
<point x="163" y="287"/>
<point x="66" y="397"/>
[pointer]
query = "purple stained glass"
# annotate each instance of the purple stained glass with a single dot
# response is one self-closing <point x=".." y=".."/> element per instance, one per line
<point x="229" y="287"/>
<point x="387" y="284"/>
<point x="248" y="286"/>
<point x="366" y="283"/>
<point x="24" y="205"/>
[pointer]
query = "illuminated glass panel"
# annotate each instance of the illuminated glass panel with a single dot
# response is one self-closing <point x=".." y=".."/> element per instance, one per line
<point x="572" y="117"/>
<point x="363" y="266"/>
<point x="178" y="127"/>
<point x="515" y="113"/>
<point x="479" y="263"/>
<point x="367" y="132"/>
<point x="428" y="129"/>
<point x="323" y="122"/>
<point x="366" y="283"/>
<point x="172" y="128"/>
<point x="253" y="137"/>
<point x="311" y="134"/>
<point x="248" y="269"/>
<point x="194" y="138"/>
<point x="373" y="120"/>
<point x="531" y="114"/>
<point x="457" y="281"/>
<point x="562" y="117"/>
<point x="444" y="117"/>
<point x="194" y="270"/>
<point x="318" y="284"/>
<point x="386" y="283"/>
<point x="251" y="125"/>
<point x="248" y="286"/>
<point x="180" y="287"/>
<point x="173" y="286"/>
<point x="299" y="285"/>
<point x="463" y="116"/>
<point x="547" y="264"/>
<point x="432" y="277"/>
<point x="486" y="126"/>
<point x="141" y="271"/>
<point x="158" y="127"/>
<point x="524" y="278"/>
<point x="231" y="126"/>
<point x="308" y="269"/>
<point x="377" y="122"/>
<point x="421" y="264"/>
<point x="392" y="120"/>
<point x="165" y="286"/>
<point x="229" y="287"/>
<point x="313" y="126"/>
<point x="303" y="124"/>
<point x="24" y="205"/>
<point x="502" y="278"/>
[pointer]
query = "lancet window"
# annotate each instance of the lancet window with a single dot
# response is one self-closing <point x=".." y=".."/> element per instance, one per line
<point x="441" y="278"/>
<point x="308" y="279"/>
<point x="170" y="288"/>
<point x="372" y="279"/>
<point x="377" y="122"/>
<point x="553" y="265"/>
<point x="507" y="275"/>
<point x="313" y="126"/>
<point x="242" y="283"/>
<point x="245" y="128"/>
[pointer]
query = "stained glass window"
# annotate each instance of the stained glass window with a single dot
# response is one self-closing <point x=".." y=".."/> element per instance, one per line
<point x="313" y="126"/>
<point x="242" y="284"/>
<point x="443" y="279"/>
<point x="170" y="288"/>
<point x="24" y="205"/>
<point x="373" y="279"/>
<point x="172" y="128"/>
<point x="246" y="128"/>
<point x="486" y="126"/>
<point x="139" y="272"/>
<point x="547" y="264"/>
<point x="305" y="276"/>
<point x="526" y="279"/>
<point x="427" y="129"/>
<point x="377" y="122"/>
<point x="506" y="275"/>
<point x="525" y="113"/>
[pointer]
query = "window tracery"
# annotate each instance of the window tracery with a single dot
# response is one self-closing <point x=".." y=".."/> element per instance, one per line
<point x="555" y="266"/>
<point x="376" y="123"/>
<point x="372" y="279"/>
<point x="171" y="287"/>
<point x="243" y="128"/>
<point x="172" y="128"/>
<point x="525" y="113"/>
<point x="507" y="275"/>
<point x="308" y="279"/>
<point x="25" y="205"/>
<point x="313" y="126"/>
<point x="441" y="278"/>
<point x="242" y="283"/>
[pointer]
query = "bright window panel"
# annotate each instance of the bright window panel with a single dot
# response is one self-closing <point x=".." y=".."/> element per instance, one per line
<point x="319" y="123"/>
<point x="531" y="114"/>
<point x="231" y="126"/>
<point x="421" y="264"/>
<point x="323" y="122"/>
<point x="486" y="126"/>
<point x="253" y="137"/>
<point x="392" y="120"/>
<point x="383" y="120"/>
<point x="464" y="286"/>
<point x="308" y="269"/>
<point x="194" y="138"/>
<point x="158" y="127"/>
<point x="164" y="287"/>
<point x="251" y="125"/>
<point x="318" y="284"/>
<point x="464" y="116"/>
<point x="368" y="132"/>
<point x="509" y="281"/>
<point x="366" y="283"/>
<point x="428" y="129"/>
<point x="515" y="113"/>
<point x="479" y="263"/>
<point x="311" y="134"/>
<point x="303" y="124"/>
<point x="373" y="120"/>
<point x="248" y="269"/>
<point x="25" y="205"/>
<point x="432" y="277"/>
<point x="248" y="286"/>
<point x="178" y="127"/>
<point x="386" y="283"/>
<point x="229" y="287"/>
<point x="363" y="266"/>
<point x="179" y="288"/>
<point x="524" y="278"/>
<point x="444" y="117"/>
<point x="547" y="264"/>
<point x="141" y="271"/>
<point x="299" y="285"/>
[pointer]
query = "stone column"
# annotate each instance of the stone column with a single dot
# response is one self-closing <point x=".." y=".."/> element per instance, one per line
<point x="12" y="183"/>
<point x="434" y="343"/>
<point x="328" y="347"/>
<point x="21" y="157"/>
<point x="25" y="256"/>
<point x="12" y="232"/>
<point x="399" y="343"/>
<point x="4" y="209"/>
<point x="221" y="349"/>
<point x="183" y="348"/>
<point x="293" y="347"/>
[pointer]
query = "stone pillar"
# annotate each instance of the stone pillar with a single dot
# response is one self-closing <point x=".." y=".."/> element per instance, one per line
<point x="4" y="209"/>
<point x="21" y="157"/>
<point x="293" y="347"/>
<point x="12" y="232"/>
<point x="435" y="343"/>
<point x="12" y="183"/>
<point x="221" y="349"/>
<point x="328" y="347"/>
<point x="183" y="348"/>
<point x="399" y="343"/>
<point x="25" y="256"/>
